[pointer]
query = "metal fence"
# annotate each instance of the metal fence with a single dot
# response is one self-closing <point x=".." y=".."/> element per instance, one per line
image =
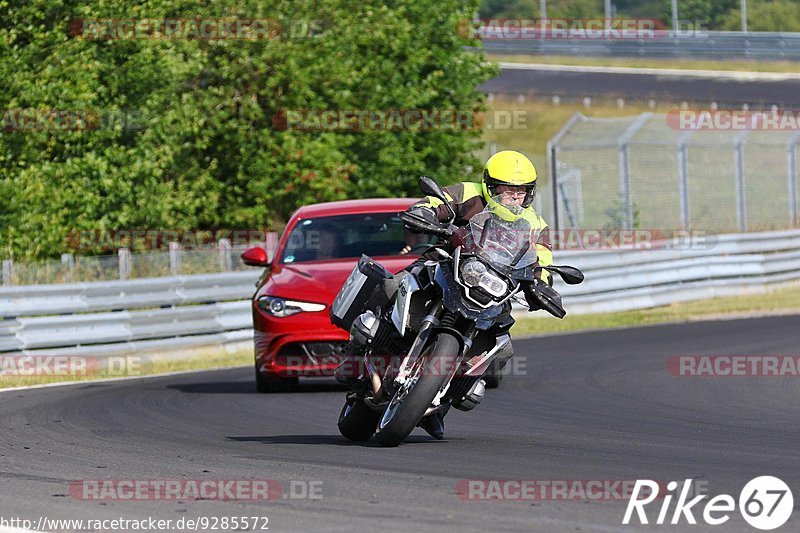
<point x="638" y="172"/>
<point x="223" y="257"/>
<point x="178" y="312"/>
<point x="666" y="44"/>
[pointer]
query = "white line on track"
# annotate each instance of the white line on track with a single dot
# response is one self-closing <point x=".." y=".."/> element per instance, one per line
<point x="672" y="72"/>
<point x="108" y="380"/>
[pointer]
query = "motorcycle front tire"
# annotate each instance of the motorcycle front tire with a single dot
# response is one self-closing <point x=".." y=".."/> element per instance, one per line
<point x="396" y="424"/>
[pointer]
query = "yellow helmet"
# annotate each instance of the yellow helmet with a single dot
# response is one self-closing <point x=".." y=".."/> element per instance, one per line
<point x="508" y="168"/>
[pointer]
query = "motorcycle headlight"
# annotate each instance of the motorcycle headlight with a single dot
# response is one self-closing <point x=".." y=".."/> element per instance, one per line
<point x="280" y="307"/>
<point x="475" y="274"/>
<point x="472" y="271"/>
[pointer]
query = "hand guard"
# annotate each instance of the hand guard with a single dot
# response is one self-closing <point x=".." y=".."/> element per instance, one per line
<point x="424" y="213"/>
<point x="423" y="220"/>
<point x="540" y="295"/>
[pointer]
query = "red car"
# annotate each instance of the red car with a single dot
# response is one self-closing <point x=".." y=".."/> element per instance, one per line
<point x="321" y="244"/>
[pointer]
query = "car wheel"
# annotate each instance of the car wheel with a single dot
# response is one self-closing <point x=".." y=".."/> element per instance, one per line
<point x="274" y="384"/>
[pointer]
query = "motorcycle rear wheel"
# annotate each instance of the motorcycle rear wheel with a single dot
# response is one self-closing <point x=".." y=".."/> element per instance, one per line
<point x="357" y="422"/>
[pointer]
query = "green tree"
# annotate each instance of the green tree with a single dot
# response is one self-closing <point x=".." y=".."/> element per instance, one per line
<point x="765" y="15"/>
<point x="208" y="154"/>
<point x="526" y="9"/>
<point x="711" y="13"/>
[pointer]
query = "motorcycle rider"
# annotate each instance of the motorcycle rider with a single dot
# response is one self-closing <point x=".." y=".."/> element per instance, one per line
<point x="508" y="188"/>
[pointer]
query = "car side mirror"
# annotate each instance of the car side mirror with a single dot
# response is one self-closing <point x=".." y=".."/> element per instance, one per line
<point x="256" y="256"/>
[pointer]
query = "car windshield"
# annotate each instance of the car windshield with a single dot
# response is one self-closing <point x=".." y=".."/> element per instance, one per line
<point x="508" y="245"/>
<point x="349" y="236"/>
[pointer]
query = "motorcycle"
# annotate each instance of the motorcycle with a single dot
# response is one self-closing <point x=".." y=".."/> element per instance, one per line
<point x="443" y="328"/>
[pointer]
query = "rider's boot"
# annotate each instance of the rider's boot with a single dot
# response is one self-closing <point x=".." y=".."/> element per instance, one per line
<point x="361" y="332"/>
<point x="434" y="424"/>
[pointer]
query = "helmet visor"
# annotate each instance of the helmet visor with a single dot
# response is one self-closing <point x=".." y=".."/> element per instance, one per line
<point x="510" y="195"/>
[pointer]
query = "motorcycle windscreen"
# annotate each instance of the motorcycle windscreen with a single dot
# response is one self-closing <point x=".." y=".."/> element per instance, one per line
<point x="504" y="238"/>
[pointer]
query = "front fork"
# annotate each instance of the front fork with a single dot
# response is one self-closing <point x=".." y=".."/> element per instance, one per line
<point x="378" y="382"/>
<point x="437" y="319"/>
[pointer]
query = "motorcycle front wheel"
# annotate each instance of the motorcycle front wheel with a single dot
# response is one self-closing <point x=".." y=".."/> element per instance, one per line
<point x="413" y="398"/>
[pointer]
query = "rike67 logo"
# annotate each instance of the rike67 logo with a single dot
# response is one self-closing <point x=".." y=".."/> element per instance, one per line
<point x="765" y="503"/>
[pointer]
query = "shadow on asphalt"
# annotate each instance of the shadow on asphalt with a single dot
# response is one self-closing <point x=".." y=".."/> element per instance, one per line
<point x="336" y="440"/>
<point x="249" y="387"/>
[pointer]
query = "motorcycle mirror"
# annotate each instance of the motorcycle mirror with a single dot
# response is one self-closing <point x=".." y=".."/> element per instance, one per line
<point x="570" y="275"/>
<point x="431" y="188"/>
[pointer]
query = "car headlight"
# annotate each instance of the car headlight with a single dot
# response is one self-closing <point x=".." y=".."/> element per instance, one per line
<point x="475" y="274"/>
<point x="281" y="307"/>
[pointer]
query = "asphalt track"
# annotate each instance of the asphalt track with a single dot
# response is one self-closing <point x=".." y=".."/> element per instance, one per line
<point x="697" y="90"/>
<point x="591" y="406"/>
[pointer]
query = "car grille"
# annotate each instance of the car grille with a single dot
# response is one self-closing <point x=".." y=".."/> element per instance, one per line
<point x="321" y="353"/>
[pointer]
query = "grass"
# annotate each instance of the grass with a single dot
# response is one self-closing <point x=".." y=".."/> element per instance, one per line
<point x="654" y="168"/>
<point x="541" y="120"/>
<point x="780" y="299"/>
<point x="143" y="365"/>
<point x="682" y="64"/>
<point x="785" y="299"/>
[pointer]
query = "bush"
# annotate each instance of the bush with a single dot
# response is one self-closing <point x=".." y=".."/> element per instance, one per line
<point x="201" y="149"/>
<point x="766" y="15"/>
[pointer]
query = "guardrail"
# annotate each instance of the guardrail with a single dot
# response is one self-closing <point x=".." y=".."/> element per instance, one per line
<point x="201" y="310"/>
<point x="695" y="44"/>
<point x="127" y="316"/>
<point x="722" y="265"/>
